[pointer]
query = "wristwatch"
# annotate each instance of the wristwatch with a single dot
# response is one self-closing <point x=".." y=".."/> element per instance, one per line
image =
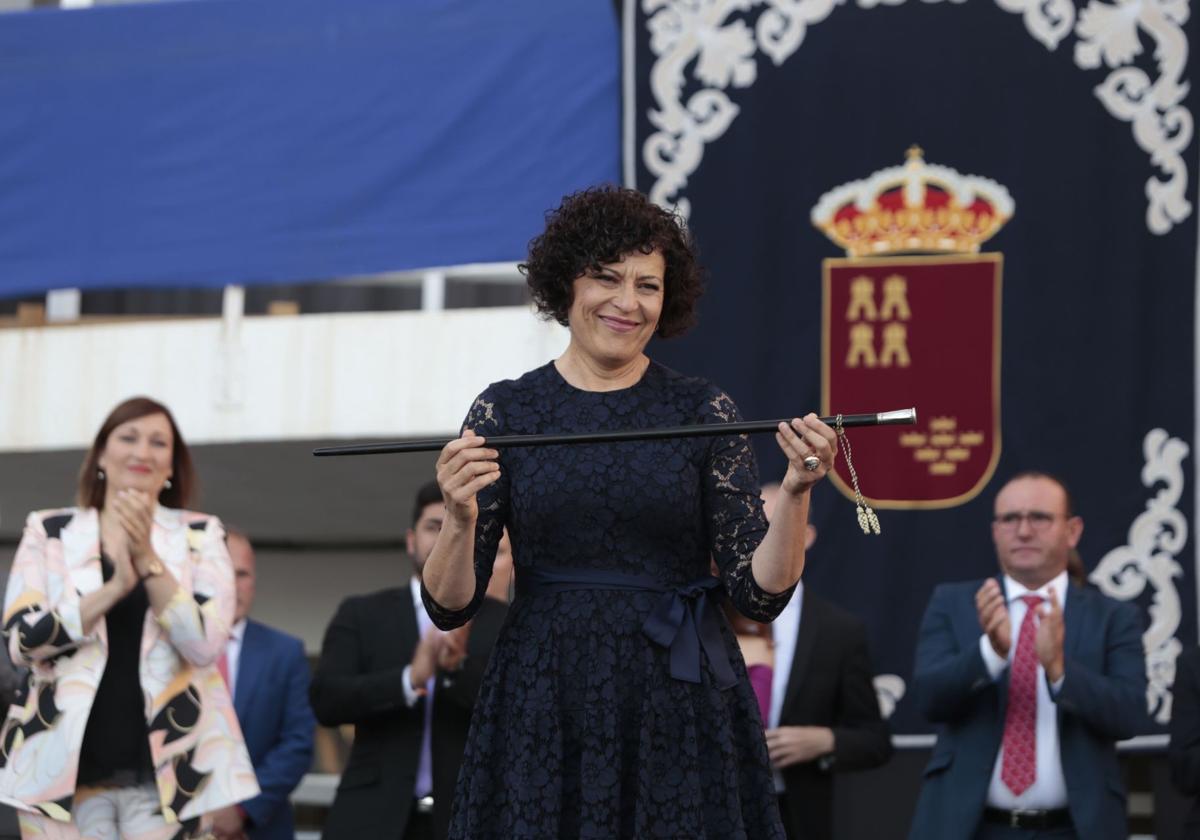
<point x="154" y="568"/>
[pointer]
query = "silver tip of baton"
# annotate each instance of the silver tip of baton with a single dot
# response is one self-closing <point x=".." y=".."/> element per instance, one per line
<point x="900" y="417"/>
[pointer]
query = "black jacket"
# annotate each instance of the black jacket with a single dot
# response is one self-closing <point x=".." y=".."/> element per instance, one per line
<point x="1184" y="752"/>
<point x="830" y="684"/>
<point x="359" y="681"/>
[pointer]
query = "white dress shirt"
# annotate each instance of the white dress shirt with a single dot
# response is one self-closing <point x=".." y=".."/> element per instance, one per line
<point x="424" y="784"/>
<point x="783" y="633"/>
<point x="1049" y="790"/>
<point x="424" y="622"/>
<point x="233" y="652"/>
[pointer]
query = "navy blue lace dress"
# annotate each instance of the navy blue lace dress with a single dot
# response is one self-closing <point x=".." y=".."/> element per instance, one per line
<point x="616" y="703"/>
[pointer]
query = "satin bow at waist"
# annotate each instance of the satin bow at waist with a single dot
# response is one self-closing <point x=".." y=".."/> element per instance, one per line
<point x="683" y="620"/>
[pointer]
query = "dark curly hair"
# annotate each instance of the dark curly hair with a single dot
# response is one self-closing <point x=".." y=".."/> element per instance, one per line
<point x="602" y="225"/>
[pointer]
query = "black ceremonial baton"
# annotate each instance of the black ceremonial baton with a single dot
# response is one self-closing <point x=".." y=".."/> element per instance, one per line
<point x="902" y="417"/>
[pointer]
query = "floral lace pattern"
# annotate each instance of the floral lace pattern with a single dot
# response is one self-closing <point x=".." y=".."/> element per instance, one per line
<point x="579" y="729"/>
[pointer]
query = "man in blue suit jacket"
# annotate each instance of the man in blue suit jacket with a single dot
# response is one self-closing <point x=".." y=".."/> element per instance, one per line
<point x="1032" y="681"/>
<point x="268" y="675"/>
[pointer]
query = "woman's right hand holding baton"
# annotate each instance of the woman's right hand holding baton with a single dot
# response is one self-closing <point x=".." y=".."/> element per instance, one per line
<point x="464" y="467"/>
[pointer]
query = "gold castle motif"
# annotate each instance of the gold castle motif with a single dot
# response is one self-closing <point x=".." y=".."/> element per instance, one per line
<point x="917" y="207"/>
<point x="942" y="448"/>
<point x="862" y="311"/>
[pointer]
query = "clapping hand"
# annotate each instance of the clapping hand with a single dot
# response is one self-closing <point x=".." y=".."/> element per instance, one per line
<point x="227" y="824"/>
<point x="788" y="745"/>
<point x="425" y="659"/>
<point x="135" y="513"/>
<point x="993" y="617"/>
<point x="1050" y="638"/>
<point x="114" y="542"/>
<point x="454" y="648"/>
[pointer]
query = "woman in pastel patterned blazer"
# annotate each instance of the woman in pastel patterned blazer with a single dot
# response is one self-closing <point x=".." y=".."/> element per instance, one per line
<point x="120" y="607"/>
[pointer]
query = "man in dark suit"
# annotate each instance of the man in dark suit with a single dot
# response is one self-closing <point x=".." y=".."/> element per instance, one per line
<point x="1032" y="681"/>
<point x="824" y="713"/>
<point x="267" y="673"/>
<point x="1184" y="752"/>
<point x="408" y="688"/>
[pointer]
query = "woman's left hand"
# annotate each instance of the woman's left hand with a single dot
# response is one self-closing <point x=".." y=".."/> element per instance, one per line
<point x="806" y="438"/>
<point x="135" y="512"/>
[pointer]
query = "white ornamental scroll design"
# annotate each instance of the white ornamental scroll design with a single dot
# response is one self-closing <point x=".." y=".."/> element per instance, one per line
<point x="1155" y="537"/>
<point x="719" y="42"/>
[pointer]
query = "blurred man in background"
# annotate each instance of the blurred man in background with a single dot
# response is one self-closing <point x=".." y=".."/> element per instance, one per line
<point x="824" y="715"/>
<point x="268" y="675"/>
<point x="1033" y="681"/>
<point x="408" y="688"/>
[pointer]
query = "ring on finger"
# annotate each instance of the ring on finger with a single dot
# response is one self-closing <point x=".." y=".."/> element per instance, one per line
<point x="811" y="463"/>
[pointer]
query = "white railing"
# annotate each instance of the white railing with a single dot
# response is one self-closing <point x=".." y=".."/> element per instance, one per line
<point x="63" y="306"/>
<point x="251" y="378"/>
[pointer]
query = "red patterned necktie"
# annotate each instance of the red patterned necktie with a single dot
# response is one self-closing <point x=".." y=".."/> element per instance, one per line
<point x="1018" y="768"/>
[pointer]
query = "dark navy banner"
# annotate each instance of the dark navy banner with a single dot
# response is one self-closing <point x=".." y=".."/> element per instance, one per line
<point x="243" y="141"/>
<point x="1046" y="148"/>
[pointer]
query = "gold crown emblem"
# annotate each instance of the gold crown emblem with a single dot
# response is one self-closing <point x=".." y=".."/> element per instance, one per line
<point x="943" y="424"/>
<point x="914" y="207"/>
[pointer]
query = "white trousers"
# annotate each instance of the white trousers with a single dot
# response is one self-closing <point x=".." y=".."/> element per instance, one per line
<point x="127" y="813"/>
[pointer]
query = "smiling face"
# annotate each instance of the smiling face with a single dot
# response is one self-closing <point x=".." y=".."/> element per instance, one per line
<point x="138" y="455"/>
<point x="615" y="310"/>
<point x="1033" y="530"/>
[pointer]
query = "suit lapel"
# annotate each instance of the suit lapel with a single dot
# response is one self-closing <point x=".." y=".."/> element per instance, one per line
<point x="80" y="540"/>
<point x="406" y="616"/>
<point x="249" y="667"/>
<point x="81" y="551"/>
<point x="1002" y="683"/>
<point x="1072" y="618"/>
<point x="169" y="537"/>
<point x="806" y="638"/>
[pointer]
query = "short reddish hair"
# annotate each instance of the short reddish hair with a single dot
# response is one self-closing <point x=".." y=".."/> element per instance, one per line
<point x="183" y="478"/>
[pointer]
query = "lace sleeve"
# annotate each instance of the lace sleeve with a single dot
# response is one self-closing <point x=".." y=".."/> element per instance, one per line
<point x="734" y="512"/>
<point x="484" y="419"/>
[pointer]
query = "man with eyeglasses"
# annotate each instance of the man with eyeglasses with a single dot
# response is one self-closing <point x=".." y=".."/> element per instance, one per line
<point x="1033" y="681"/>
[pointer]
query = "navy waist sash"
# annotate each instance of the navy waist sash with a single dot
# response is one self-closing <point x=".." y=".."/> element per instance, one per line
<point x="682" y="620"/>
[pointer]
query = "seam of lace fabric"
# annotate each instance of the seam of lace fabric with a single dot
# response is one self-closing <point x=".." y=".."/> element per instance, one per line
<point x="735" y="534"/>
<point x="489" y="527"/>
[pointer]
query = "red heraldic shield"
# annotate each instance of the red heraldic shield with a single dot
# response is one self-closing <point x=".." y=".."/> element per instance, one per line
<point x="923" y="332"/>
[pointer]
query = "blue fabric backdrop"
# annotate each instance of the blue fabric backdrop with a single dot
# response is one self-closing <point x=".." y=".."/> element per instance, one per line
<point x="204" y="143"/>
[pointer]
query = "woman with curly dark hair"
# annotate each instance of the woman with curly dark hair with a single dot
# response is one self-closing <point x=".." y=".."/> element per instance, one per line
<point x="616" y="703"/>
